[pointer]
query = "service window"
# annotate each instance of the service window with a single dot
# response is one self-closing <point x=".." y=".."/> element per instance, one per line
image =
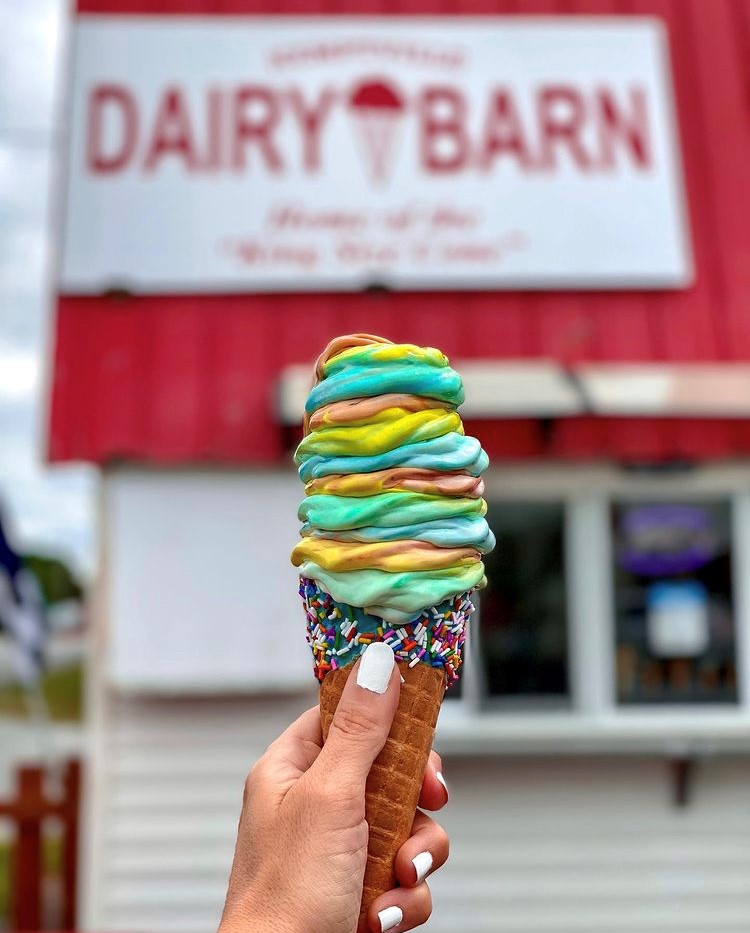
<point x="523" y="637"/>
<point x="674" y="604"/>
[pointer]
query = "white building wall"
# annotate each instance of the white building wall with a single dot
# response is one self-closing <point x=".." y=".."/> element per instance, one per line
<point x="569" y="845"/>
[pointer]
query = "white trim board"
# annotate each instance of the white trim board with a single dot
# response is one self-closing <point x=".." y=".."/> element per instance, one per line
<point x="545" y="389"/>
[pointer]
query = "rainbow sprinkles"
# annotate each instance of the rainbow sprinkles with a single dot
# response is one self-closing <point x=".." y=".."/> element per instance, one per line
<point x="337" y="633"/>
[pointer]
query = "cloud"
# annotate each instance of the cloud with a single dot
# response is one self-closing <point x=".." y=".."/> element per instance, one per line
<point x="51" y="509"/>
<point x="24" y="181"/>
<point x="23" y="255"/>
<point x="31" y="36"/>
<point x="23" y="315"/>
<point x="19" y="373"/>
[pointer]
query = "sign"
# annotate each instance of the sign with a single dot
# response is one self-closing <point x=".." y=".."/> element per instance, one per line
<point x="248" y="154"/>
<point x="677" y="620"/>
<point x="667" y="539"/>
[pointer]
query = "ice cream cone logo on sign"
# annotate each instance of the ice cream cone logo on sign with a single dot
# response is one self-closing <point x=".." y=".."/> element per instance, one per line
<point x="377" y="109"/>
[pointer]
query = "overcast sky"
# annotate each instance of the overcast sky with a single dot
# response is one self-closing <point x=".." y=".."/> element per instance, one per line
<point x="49" y="509"/>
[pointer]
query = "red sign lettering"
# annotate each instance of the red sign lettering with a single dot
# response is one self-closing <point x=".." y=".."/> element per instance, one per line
<point x="240" y="129"/>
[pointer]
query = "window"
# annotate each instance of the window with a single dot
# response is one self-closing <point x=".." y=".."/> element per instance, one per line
<point x="614" y="612"/>
<point x="674" y="607"/>
<point x="523" y="625"/>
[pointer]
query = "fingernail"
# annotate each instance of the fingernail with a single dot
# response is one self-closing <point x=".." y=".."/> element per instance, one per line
<point x="439" y="776"/>
<point x="422" y="864"/>
<point x="375" y="667"/>
<point x="391" y="916"/>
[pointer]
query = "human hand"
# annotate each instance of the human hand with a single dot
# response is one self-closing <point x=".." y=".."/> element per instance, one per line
<point x="301" y="847"/>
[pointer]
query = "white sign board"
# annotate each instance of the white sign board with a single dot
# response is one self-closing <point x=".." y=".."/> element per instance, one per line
<point x="290" y="154"/>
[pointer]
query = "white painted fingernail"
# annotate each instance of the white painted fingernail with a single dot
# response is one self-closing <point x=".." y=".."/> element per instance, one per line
<point x="391" y="916"/>
<point x="439" y="776"/>
<point x="375" y="667"/>
<point x="402" y="678"/>
<point x="422" y="864"/>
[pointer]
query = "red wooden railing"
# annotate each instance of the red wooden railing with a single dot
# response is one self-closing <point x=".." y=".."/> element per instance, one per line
<point x="29" y="810"/>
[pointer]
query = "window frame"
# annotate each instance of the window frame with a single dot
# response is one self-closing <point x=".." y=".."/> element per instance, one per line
<point x="593" y="719"/>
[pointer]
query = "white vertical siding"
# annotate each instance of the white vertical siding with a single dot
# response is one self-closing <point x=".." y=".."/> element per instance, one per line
<point x="539" y="845"/>
<point x="578" y="845"/>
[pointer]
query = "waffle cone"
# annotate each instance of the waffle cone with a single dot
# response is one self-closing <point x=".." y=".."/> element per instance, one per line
<point x="395" y="780"/>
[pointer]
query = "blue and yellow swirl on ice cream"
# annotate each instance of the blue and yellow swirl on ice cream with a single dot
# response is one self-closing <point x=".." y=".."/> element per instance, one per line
<point x="393" y="523"/>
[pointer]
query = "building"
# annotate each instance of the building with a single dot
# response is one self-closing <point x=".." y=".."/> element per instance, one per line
<point x="597" y="750"/>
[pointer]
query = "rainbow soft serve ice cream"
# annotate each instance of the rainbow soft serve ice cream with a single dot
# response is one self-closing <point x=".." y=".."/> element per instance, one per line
<point x="393" y="526"/>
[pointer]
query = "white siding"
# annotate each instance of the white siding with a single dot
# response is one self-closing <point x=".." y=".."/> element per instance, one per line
<point x="166" y="789"/>
<point x="578" y="845"/>
<point x="569" y="845"/>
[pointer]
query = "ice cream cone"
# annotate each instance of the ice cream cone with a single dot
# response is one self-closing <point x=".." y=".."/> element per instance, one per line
<point x="395" y="781"/>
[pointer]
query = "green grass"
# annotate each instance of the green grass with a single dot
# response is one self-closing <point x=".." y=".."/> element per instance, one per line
<point x="4" y="880"/>
<point x="63" y="690"/>
<point x="51" y="865"/>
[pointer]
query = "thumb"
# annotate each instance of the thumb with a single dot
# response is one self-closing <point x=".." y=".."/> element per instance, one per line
<point x="363" y="717"/>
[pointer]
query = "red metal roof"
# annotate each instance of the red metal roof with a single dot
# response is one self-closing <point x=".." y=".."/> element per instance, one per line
<point x="175" y="379"/>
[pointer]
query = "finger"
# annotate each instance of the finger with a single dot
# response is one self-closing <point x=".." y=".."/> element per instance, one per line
<point x="423" y="852"/>
<point x="400" y="909"/>
<point x="363" y="717"/>
<point x="434" y="794"/>
<point x="301" y="743"/>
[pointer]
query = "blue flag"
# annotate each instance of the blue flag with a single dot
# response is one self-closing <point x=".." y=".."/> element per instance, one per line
<point x="22" y="616"/>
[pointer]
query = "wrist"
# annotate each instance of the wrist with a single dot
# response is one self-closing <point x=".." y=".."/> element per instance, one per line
<point x="253" y="915"/>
